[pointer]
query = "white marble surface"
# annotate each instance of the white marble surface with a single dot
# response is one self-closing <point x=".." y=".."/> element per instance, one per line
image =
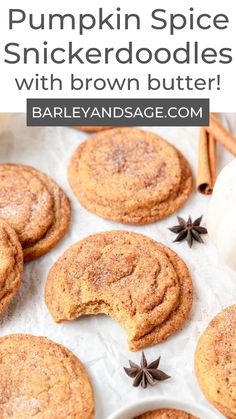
<point x="98" y="341"/>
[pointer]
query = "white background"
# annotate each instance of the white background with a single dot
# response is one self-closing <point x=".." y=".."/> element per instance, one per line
<point x="223" y="100"/>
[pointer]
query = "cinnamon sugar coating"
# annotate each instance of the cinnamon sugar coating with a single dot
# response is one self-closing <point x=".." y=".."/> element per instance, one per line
<point x="33" y="204"/>
<point x="11" y="264"/>
<point x="140" y="283"/>
<point x="42" y="379"/>
<point x="130" y="176"/>
<point x="166" y="414"/>
<point x="215" y="362"/>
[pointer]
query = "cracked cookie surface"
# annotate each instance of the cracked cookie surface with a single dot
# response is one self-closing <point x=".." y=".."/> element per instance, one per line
<point x="130" y="176"/>
<point x="215" y="362"/>
<point x="166" y="414"/>
<point x="42" y="379"/>
<point x="34" y="205"/>
<point x="11" y="264"/>
<point x="140" y="283"/>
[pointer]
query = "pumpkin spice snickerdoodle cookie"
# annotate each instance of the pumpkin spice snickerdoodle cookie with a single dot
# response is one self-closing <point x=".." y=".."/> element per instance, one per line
<point x="42" y="379"/>
<point x="215" y="362"/>
<point x="140" y="283"/>
<point x="11" y="264"/>
<point x="166" y="414"/>
<point x="130" y="176"/>
<point x="34" y="205"/>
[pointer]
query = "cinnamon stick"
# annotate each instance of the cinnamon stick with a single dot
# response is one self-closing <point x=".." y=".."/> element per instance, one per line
<point x="221" y="134"/>
<point x="206" y="163"/>
<point x="212" y="158"/>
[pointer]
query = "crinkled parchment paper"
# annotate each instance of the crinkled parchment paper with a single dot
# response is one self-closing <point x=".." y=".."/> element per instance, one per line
<point x="97" y="340"/>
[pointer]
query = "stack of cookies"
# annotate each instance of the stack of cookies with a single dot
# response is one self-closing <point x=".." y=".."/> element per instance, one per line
<point x="140" y="283"/>
<point x="34" y="205"/>
<point x="34" y="216"/>
<point x="130" y="176"/>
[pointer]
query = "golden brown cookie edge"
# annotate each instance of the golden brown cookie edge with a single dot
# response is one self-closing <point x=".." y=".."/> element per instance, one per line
<point x="171" y="413"/>
<point x="18" y="271"/>
<point x="199" y="364"/>
<point x="179" y="316"/>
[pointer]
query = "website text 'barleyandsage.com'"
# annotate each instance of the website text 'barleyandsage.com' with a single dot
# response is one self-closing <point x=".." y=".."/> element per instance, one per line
<point x="110" y="112"/>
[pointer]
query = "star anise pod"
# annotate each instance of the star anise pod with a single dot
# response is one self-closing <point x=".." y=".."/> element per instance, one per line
<point x="145" y="373"/>
<point x="189" y="230"/>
